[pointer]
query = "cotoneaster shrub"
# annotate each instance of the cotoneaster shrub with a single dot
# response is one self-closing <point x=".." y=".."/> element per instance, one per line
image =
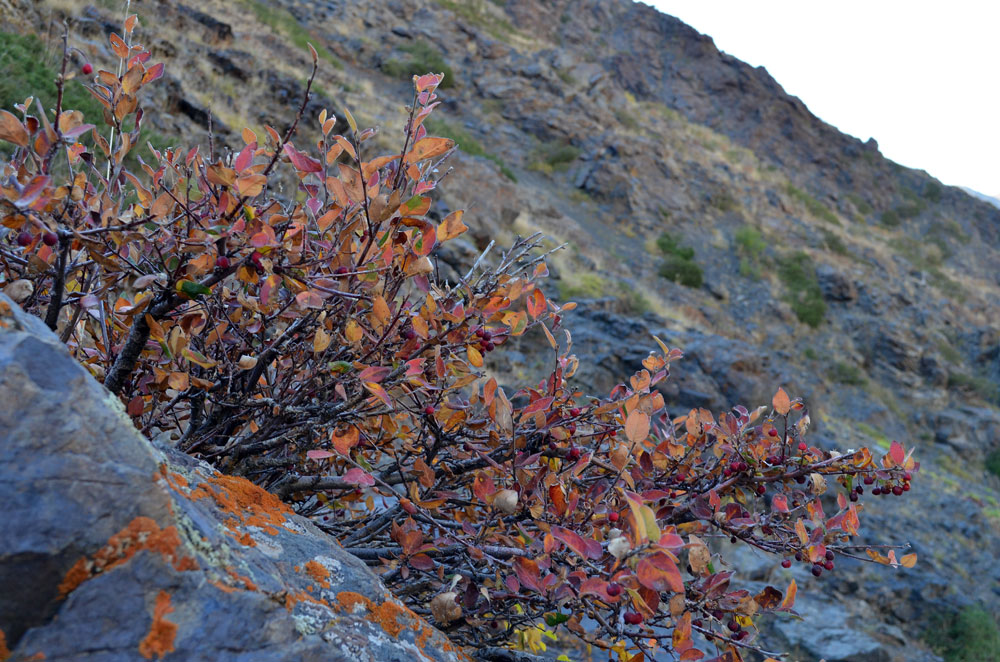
<point x="302" y="340"/>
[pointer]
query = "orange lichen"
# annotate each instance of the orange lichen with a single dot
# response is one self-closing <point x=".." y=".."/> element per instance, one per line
<point x="319" y="574"/>
<point x="292" y="599"/>
<point x="249" y="504"/>
<point x="4" y="651"/>
<point x="386" y="614"/>
<point x="162" y="632"/>
<point x="142" y="533"/>
<point x="247" y="583"/>
<point x="177" y="481"/>
<point x="242" y="538"/>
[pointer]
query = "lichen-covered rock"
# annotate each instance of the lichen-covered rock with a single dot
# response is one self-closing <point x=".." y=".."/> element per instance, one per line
<point x="114" y="550"/>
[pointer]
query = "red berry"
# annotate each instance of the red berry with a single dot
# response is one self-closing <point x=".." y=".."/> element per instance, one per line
<point x="868" y="480"/>
<point x="575" y="411"/>
<point x="897" y="490"/>
<point x="409" y="334"/>
<point x="612" y="517"/>
<point x="773" y="432"/>
<point x="906" y="487"/>
<point x="828" y="565"/>
<point x="429" y="410"/>
<point x="876" y="491"/>
<point x="481" y="332"/>
<point x="740" y="635"/>
<point x="817" y="570"/>
<point x="734" y="467"/>
<point x="854" y="496"/>
<point x="786" y="563"/>
<point x="340" y="270"/>
<point x="632" y="618"/>
<point x="50" y="239"/>
<point x="574" y="453"/>
<point x="222" y="262"/>
<point x="798" y="556"/>
<point x="907" y="476"/>
<point x="761" y="490"/>
<point x="24" y="239"/>
<point x="744" y="466"/>
<point x="490" y="347"/>
<point x="733" y="626"/>
<point x="614" y="589"/>
<point x="255" y="258"/>
<point x="803" y="446"/>
<point x="87" y="68"/>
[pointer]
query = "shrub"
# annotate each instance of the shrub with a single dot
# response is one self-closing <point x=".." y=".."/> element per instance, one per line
<point x="970" y="635"/>
<point x="932" y="192"/>
<point x="304" y="342"/>
<point x="283" y="22"/>
<point x="750" y="245"/>
<point x="889" y="218"/>
<point x="993" y="463"/>
<point x="679" y="265"/>
<point x="981" y="387"/>
<point x="804" y="293"/>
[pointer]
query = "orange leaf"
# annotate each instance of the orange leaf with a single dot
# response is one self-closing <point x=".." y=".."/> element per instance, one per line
<point x="427" y="148"/>
<point x="908" y="560"/>
<point x="780" y="402"/>
<point x="659" y="573"/>
<point x="378" y="392"/>
<point x="637" y="426"/>
<point x="789" y="601"/>
<point x="12" y="130"/>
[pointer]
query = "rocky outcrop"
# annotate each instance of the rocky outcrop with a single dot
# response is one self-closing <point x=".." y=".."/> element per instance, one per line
<point x="115" y="550"/>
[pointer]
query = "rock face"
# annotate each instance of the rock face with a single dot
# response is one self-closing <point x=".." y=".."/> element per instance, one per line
<point x="115" y="550"/>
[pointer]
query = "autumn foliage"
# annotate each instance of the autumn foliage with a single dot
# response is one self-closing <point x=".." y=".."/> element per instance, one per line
<point x="299" y="337"/>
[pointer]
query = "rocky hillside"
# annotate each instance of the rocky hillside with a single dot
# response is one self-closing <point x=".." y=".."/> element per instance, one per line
<point x="697" y="201"/>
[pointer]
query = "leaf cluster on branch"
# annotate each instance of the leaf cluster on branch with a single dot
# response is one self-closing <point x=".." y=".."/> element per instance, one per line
<point x="302" y="340"/>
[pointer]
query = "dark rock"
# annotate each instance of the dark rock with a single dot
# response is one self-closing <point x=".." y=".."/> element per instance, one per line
<point x="835" y="285"/>
<point x="115" y="550"/>
<point x="232" y="63"/>
<point x="216" y="29"/>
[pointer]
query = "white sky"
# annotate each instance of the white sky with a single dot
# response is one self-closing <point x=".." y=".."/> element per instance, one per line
<point x="922" y="78"/>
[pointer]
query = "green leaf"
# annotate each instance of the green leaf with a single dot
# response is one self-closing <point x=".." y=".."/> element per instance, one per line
<point x="555" y="619"/>
<point x="340" y="366"/>
<point x="192" y="289"/>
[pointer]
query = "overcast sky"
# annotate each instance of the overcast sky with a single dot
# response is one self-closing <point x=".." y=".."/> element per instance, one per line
<point x="922" y="78"/>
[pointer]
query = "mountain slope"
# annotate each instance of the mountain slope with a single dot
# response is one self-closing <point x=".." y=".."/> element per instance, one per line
<point x="866" y="287"/>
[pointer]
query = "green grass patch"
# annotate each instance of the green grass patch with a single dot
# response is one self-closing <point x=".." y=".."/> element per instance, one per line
<point x="283" y="22"/>
<point x="804" y="294"/>
<point x="814" y="206"/>
<point x="846" y="373"/>
<point x="975" y="385"/>
<point x="467" y="143"/>
<point x="750" y="245"/>
<point x="554" y="156"/>
<point x="874" y="434"/>
<point x="970" y="635"/>
<point x="475" y="12"/>
<point x="833" y="242"/>
<point x="860" y="204"/>
<point x="723" y="201"/>
<point x="422" y="58"/>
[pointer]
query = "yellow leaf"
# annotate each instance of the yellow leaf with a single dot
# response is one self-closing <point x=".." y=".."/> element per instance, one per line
<point x="451" y="226"/>
<point x="475" y="357"/>
<point x="908" y="560"/>
<point x="321" y="341"/>
<point x="353" y="331"/>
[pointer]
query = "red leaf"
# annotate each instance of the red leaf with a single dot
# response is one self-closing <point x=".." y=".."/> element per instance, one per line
<point x="318" y="454"/>
<point x="587" y="548"/>
<point x="780" y="503"/>
<point x="358" y="476"/>
<point x="301" y="161"/>
<point x="897" y="453"/>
